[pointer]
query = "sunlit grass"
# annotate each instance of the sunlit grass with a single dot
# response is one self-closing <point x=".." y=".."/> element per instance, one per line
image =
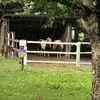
<point x="35" y="83"/>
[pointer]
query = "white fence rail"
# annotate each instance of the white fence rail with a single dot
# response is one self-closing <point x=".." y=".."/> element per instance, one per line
<point x="14" y="42"/>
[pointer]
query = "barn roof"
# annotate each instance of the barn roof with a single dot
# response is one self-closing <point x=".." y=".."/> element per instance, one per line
<point x="29" y="27"/>
<point x="10" y="16"/>
<point x="35" y="19"/>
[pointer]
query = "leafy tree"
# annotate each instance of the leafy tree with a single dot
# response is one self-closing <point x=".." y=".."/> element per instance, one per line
<point x="10" y="7"/>
<point x="89" y="12"/>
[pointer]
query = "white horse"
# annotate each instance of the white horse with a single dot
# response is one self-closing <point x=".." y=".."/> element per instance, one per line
<point x="45" y="46"/>
<point x="58" y="47"/>
<point x="48" y="46"/>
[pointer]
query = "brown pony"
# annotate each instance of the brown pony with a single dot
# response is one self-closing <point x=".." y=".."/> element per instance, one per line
<point x="58" y="47"/>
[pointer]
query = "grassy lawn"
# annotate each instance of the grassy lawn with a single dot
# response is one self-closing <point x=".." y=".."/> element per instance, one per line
<point x="64" y="82"/>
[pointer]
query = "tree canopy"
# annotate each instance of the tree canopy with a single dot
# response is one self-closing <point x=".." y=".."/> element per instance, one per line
<point x="52" y="8"/>
<point x="49" y="7"/>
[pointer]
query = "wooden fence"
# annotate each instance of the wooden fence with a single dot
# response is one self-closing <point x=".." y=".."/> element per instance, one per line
<point x="15" y="43"/>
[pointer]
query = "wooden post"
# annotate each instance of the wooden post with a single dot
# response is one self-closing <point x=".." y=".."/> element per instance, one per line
<point x="2" y="35"/>
<point x="25" y="58"/>
<point x="67" y="37"/>
<point x="22" y="52"/>
<point x="78" y="54"/>
<point x="12" y="43"/>
<point x="22" y="62"/>
<point x="4" y="30"/>
<point x="13" y="37"/>
<point x="8" y="42"/>
<point x="6" y="50"/>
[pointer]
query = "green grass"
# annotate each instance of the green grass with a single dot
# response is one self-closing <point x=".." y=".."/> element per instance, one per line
<point x="72" y="83"/>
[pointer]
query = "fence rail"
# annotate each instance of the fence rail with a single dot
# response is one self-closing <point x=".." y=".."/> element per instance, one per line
<point x="14" y="42"/>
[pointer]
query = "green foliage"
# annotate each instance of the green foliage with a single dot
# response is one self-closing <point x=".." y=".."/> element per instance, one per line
<point x="53" y="9"/>
<point x="73" y="83"/>
<point x="13" y="7"/>
<point x="10" y="7"/>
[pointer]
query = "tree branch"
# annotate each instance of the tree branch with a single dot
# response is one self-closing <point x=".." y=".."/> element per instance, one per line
<point x="88" y="3"/>
<point x="84" y="8"/>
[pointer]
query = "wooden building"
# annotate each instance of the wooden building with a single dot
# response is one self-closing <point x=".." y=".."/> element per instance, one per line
<point x="30" y="27"/>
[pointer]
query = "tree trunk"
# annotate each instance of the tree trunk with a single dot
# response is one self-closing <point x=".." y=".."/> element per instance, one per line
<point x="96" y="71"/>
<point x="92" y="27"/>
<point x="89" y="11"/>
<point x="95" y="45"/>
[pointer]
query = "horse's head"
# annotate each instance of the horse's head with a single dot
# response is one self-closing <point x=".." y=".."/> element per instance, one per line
<point x="49" y="39"/>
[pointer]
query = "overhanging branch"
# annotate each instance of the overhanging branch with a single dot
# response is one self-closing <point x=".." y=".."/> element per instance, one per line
<point x="82" y="8"/>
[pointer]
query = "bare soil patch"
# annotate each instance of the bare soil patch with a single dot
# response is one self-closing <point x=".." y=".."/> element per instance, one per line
<point x="54" y="66"/>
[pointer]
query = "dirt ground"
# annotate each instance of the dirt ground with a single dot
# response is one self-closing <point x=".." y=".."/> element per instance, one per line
<point x="54" y="58"/>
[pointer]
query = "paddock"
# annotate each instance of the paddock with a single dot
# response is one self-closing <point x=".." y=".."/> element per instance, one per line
<point x="34" y="57"/>
<point x="29" y="28"/>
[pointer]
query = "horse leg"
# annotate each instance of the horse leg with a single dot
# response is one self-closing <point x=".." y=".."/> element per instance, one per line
<point x="60" y="55"/>
<point x="40" y="52"/>
<point x="48" y="54"/>
<point x="44" y="54"/>
<point x="57" y="55"/>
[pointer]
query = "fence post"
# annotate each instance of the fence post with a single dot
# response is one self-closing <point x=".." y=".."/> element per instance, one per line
<point x="78" y="54"/>
<point x="8" y="42"/>
<point x="13" y="37"/>
<point x="12" y="42"/>
<point x="25" y="58"/>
